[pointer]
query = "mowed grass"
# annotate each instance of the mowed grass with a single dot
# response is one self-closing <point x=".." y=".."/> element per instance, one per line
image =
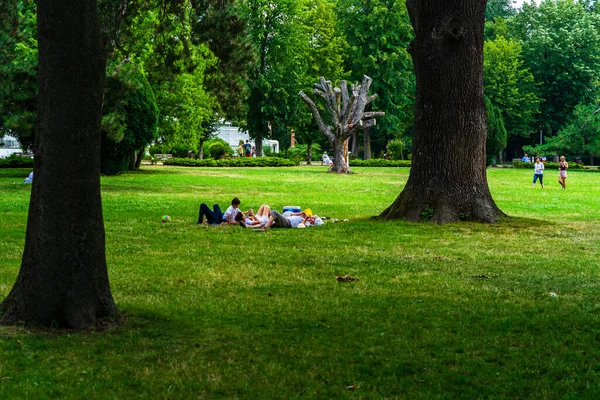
<point x="509" y="310"/>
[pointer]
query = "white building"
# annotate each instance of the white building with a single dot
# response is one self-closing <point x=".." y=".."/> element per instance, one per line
<point x="8" y="146"/>
<point x="233" y="134"/>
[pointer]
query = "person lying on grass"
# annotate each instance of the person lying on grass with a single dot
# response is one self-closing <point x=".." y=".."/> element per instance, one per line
<point x="252" y="220"/>
<point x="216" y="216"/>
<point x="292" y="220"/>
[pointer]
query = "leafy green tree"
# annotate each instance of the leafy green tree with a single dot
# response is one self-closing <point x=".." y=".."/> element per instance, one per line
<point x="510" y="86"/>
<point x="326" y="48"/>
<point x="221" y="25"/>
<point x="130" y="119"/>
<point x="581" y="136"/>
<point x="496" y="132"/>
<point x="378" y="33"/>
<point x="276" y="30"/>
<point x="561" y="47"/>
<point x="498" y="9"/>
<point x="18" y="70"/>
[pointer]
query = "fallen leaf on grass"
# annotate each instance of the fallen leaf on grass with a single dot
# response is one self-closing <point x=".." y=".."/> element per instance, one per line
<point x="484" y="276"/>
<point x="347" y="278"/>
<point x="351" y="387"/>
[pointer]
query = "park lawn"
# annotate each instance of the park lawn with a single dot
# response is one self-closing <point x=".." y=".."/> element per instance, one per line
<point x="465" y="310"/>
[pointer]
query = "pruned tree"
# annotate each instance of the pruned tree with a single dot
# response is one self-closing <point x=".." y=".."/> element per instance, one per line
<point x="448" y="180"/>
<point x="347" y="115"/>
<point x="63" y="278"/>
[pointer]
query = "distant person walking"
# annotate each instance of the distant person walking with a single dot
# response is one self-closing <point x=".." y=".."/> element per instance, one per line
<point x="538" y="172"/>
<point x="562" y="172"/>
<point x="248" y="148"/>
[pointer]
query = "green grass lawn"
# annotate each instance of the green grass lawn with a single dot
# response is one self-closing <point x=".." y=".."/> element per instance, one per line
<point x="510" y="310"/>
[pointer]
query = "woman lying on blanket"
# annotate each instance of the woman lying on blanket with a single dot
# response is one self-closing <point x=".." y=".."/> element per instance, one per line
<point x="253" y="220"/>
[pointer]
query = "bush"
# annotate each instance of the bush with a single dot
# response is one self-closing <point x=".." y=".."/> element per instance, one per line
<point x="547" y="165"/>
<point x="395" y="149"/>
<point x="300" y="151"/>
<point x="217" y="150"/>
<point x="206" y="147"/>
<point x="380" y="162"/>
<point x="231" y="162"/>
<point x="15" y="161"/>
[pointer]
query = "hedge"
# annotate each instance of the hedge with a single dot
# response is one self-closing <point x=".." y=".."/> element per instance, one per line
<point x="547" y="165"/>
<point x="14" y="161"/>
<point x="231" y="162"/>
<point x="380" y="162"/>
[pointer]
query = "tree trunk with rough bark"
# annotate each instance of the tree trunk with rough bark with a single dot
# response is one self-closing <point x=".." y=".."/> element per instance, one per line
<point x="63" y="278"/>
<point x="355" y="144"/>
<point x="448" y="179"/>
<point x="367" y="144"/>
<point x="347" y="115"/>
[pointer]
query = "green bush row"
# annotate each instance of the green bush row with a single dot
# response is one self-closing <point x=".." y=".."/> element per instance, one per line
<point x="547" y="165"/>
<point x="14" y="161"/>
<point x="380" y="162"/>
<point x="232" y="162"/>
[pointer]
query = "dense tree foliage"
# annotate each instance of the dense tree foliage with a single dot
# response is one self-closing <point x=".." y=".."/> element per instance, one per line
<point x="246" y="60"/>
<point x="561" y="47"/>
<point x="378" y="34"/>
<point x="130" y="119"/>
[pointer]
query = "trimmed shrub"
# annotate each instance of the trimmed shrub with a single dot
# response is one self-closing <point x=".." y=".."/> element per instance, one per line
<point x="218" y="150"/>
<point x="380" y="162"/>
<point x="231" y="162"/>
<point x="14" y="161"/>
<point x="208" y="143"/>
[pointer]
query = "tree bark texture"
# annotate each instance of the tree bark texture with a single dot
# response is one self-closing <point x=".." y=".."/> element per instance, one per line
<point x="348" y="115"/>
<point x="355" y="144"/>
<point x="367" y="144"/>
<point x="448" y="179"/>
<point x="63" y="278"/>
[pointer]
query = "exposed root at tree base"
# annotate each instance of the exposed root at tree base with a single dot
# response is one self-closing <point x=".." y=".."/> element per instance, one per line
<point x="444" y="211"/>
<point x="102" y="325"/>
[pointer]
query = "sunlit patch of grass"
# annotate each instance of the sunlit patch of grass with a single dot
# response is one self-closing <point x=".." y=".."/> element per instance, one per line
<point x="462" y="310"/>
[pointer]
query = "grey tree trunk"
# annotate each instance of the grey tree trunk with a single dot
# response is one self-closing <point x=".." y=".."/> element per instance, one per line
<point x="309" y="152"/>
<point x="139" y="157"/>
<point x="448" y="176"/>
<point x="367" y="144"/>
<point x="347" y="115"/>
<point x="355" y="144"/>
<point x="63" y="278"/>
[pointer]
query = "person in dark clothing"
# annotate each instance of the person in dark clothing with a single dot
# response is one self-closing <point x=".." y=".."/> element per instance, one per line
<point x="248" y="149"/>
<point x="216" y="216"/>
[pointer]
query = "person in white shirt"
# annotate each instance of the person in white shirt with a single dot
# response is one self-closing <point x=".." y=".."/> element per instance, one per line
<point x="538" y="172"/>
<point x="326" y="160"/>
<point x="216" y="216"/>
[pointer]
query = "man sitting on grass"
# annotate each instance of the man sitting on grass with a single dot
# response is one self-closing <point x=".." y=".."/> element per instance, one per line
<point x="216" y="216"/>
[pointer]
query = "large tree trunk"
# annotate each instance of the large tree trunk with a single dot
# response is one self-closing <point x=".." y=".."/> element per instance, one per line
<point x="340" y="148"/>
<point x="355" y="144"/>
<point x="63" y="278"/>
<point x="448" y="178"/>
<point x="367" y="144"/>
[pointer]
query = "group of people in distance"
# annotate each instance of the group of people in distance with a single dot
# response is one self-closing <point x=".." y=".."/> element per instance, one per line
<point x="265" y="217"/>
<point x="538" y="172"/>
<point x="246" y="149"/>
